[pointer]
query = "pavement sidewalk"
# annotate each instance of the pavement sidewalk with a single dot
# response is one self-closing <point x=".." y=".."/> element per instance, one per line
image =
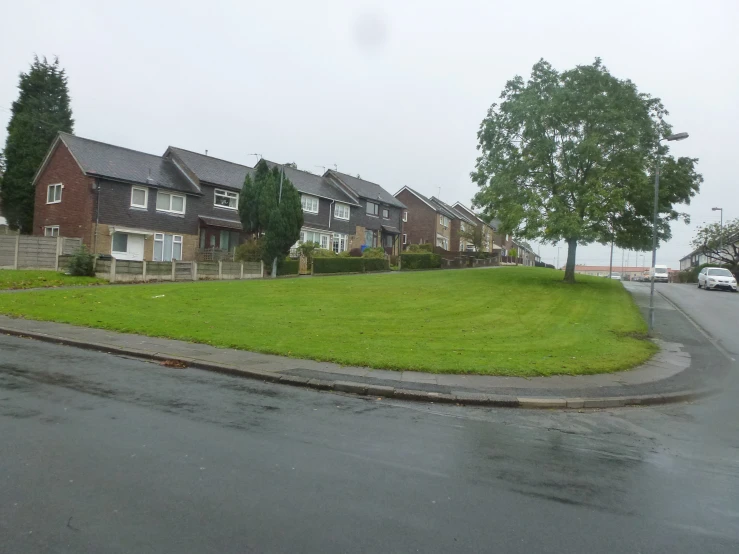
<point x="671" y="376"/>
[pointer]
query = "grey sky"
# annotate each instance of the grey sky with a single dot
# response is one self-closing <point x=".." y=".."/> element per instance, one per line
<point x="394" y="91"/>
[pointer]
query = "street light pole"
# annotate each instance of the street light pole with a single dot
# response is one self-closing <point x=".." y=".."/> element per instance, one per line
<point x="678" y="136"/>
<point x="721" y="228"/>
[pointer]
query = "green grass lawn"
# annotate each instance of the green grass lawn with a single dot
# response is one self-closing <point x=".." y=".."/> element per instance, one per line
<point x="30" y="279"/>
<point x="504" y="321"/>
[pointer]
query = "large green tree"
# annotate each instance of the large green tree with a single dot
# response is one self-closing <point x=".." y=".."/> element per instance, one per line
<point x="720" y="242"/>
<point x="270" y="209"/>
<point x="570" y="156"/>
<point x="41" y="111"/>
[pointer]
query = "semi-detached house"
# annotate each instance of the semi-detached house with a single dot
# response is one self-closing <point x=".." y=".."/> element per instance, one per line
<point x="140" y="206"/>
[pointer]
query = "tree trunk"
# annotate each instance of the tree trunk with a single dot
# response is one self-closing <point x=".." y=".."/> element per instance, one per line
<point x="274" y="268"/>
<point x="570" y="268"/>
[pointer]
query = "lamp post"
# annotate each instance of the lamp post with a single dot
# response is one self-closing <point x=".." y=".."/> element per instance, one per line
<point x="675" y="137"/>
<point x="721" y="228"/>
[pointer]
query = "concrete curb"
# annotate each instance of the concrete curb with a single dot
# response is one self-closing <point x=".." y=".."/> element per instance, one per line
<point x="364" y="389"/>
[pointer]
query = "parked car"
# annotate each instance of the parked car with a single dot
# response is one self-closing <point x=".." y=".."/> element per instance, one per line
<point x="616" y="276"/>
<point x="711" y="278"/>
<point x="659" y="273"/>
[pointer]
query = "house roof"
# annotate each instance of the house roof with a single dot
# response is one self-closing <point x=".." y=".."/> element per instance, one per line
<point x="419" y="196"/>
<point x="366" y="189"/>
<point x="456" y="214"/>
<point x="220" y="222"/>
<point x="390" y="229"/>
<point x="213" y="170"/>
<point x="317" y="185"/>
<point x="123" y="164"/>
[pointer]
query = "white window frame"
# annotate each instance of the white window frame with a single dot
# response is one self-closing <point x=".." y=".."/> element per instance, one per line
<point x="405" y="238"/>
<point x="145" y="205"/>
<point x="328" y="242"/>
<point x="54" y="187"/>
<point x="304" y="201"/>
<point x="50" y="229"/>
<point x="176" y="239"/>
<point x="344" y="209"/>
<point x="343" y="241"/>
<point x="405" y="217"/>
<point x="383" y="210"/>
<point x="443" y="221"/>
<point x="375" y="214"/>
<point x="112" y="242"/>
<point x="226" y="194"/>
<point x="170" y="210"/>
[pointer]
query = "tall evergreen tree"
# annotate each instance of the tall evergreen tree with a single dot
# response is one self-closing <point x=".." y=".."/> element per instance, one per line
<point x="41" y="111"/>
<point x="274" y="216"/>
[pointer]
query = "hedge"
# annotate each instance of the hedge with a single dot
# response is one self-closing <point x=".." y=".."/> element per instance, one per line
<point x="288" y="267"/>
<point x="419" y="261"/>
<point x="349" y="265"/>
<point x="376" y="264"/>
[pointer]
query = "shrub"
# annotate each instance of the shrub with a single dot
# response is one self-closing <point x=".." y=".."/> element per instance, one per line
<point x="288" y="266"/>
<point x="344" y="254"/>
<point x="307" y="249"/>
<point x="250" y="251"/>
<point x="355" y="252"/>
<point x="338" y="265"/>
<point x="377" y="252"/>
<point x="376" y="264"/>
<point x="394" y="260"/>
<point x="82" y="264"/>
<point x="323" y="253"/>
<point x="419" y="261"/>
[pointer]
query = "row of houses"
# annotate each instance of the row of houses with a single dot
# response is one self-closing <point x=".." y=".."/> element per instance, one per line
<point x="183" y="205"/>
<point x="699" y="257"/>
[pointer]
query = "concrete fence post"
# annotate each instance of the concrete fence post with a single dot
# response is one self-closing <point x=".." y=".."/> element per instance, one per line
<point x="261" y="268"/>
<point x="194" y="270"/>
<point x="143" y="271"/>
<point x="174" y="269"/>
<point x="220" y="270"/>
<point x="58" y="252"/>
<point x="17" y="247"/>
<point x="112" y="270"/>
<point x="242" y="270"/>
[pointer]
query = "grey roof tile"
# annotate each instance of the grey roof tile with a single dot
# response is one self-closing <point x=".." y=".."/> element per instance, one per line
<point x="220" y="222"/>
<point x="367" y="189"/>
<point x="123" y="164"/>
<point x="213" y="170"/>
<point x="456" y="214"/>
<point x="310" y="183"/>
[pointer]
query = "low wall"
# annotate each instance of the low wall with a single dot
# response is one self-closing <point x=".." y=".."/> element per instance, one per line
<point x="126" y="271"/>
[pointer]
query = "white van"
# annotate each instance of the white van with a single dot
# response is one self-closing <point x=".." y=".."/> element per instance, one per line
<point x="659" y="274"/>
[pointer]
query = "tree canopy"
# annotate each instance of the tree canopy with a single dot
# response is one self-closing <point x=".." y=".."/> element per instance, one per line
<point x="719" y="242"/>
<point x="272" y="215"/>
<point x="40" y="112"/>
<point x="570" y="156"/>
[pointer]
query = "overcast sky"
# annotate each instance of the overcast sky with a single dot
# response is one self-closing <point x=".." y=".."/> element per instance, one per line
<point x="394" y="91"/>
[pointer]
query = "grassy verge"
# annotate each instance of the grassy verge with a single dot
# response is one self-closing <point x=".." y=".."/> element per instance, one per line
<point x="507" y="321"/>
<point x="29" y="279"/>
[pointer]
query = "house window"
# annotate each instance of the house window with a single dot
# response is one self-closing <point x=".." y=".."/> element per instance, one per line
<point x="405" y="216"/>
<point x="372" y="209"/>
<point x="462" y="227"/>
<point x="385" y="213"/>
<point x="444" y="221"/>
<point x="120" y="243"/>
<point x="442" y="242"/>
<point x="168" y="247"/>
<point x="389" y="241"/>
<point x="310" y="204"/>
<point x="139" y="197"/>
<point x="339" y="242"/>
<point x="314" y="236"/>
<point x="54" y="194"/>
<point x="370" y="240"/>
<point x="405" y="239"/>
<point x="173" y="203"/>
<point x="324" y="242"/>
<point x="51" y="231"/>
<point x="341" y="211"/>
<point x="225" y="199"/>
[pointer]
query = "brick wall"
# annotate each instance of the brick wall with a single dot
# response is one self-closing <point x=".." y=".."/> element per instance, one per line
<point x="74" y="214"/>
<point x="422" y="220"/>
<point x="190" y="243"/>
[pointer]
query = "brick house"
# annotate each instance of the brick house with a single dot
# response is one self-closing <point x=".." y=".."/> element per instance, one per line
<point x="139" y="206"/>
<point x="430" y="220"/>
<point x="488" y="231"/>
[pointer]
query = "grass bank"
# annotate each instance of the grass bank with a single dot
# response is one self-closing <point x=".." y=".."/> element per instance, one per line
<point x="30" y="279"/>
<point x="503" y="321"/>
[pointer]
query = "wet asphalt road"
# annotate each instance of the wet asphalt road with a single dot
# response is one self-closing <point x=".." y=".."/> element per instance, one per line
<point x="106" y="454"/>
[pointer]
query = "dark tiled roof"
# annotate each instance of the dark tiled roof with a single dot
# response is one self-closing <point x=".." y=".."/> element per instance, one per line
<point x="310" y="183"/>
<point x="213" y="170"/>
<point x="113" y="162"/>
<point x="391" y="229"/>
<point x="367" y="189"/>
<point x="218" y="222"/>
<point x="456" y="214"/>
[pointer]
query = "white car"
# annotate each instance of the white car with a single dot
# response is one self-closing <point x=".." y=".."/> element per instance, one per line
<point x="711" y="278"/>
<point x="616" y="276"/>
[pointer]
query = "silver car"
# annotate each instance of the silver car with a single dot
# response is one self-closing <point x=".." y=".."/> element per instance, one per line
<point x="711" y="278"/>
